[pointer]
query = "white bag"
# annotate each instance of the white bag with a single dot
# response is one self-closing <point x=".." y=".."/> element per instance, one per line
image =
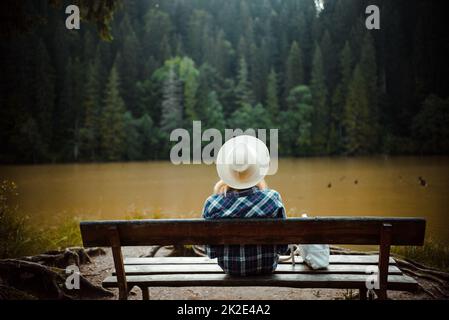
<point x="315" y="256"/>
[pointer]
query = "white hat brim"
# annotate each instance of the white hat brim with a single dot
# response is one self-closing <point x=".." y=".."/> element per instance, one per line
<point x="256" y="171"/>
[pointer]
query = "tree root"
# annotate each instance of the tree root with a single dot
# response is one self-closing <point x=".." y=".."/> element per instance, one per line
<point x="44" y="276"/>
<point x="9" y="293"/>
<point x="64" y="258"/>
<point x="433" y="282"/>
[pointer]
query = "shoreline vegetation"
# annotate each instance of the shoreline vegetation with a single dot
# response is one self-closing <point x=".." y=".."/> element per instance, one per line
<point x="20" y="236"/>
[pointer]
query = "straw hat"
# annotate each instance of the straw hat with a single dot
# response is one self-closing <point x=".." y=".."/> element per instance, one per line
<point x="243" y="161"/>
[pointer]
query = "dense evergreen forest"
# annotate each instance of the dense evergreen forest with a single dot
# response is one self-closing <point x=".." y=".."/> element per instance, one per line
<point x="311" y="69"/>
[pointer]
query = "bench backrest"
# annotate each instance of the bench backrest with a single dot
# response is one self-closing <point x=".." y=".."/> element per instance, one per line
<point x="331" y="230"/>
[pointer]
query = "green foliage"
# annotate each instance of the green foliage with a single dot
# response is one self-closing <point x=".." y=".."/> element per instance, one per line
<point x="295" y="73"/>
<point x="19" y="236"/>
<point x="89" y="133"/>
<point x="250" y="117"/>
<point x="338" y="102"/>
<point x="112" y="122"/>
<point x="296" y="123"/>
<point x="243" y="91"/>
<point x="272" y="97"/>
<point x="55" y="82"/>
<point x="432" y="253"/>
<point x="172" y="110"/>
<point x="213" y="116"/>
<point x="357" y="116"/>
<point x="430" y="126"/>
<point x="320" y="126"/>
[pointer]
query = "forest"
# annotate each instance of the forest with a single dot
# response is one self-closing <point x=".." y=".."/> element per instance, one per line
<point x="309" y="68"/>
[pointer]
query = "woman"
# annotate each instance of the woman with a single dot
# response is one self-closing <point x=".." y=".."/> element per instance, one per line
<point x="242" y="164"/>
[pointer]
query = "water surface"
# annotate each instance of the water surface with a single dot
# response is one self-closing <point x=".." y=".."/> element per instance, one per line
<point x="319" y="186"/>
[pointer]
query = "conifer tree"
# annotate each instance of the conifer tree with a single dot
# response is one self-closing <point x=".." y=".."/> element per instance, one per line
<point x="243" y="91"/>
<point x="357" y="116"/>
<point x="112" y="119"/>
<point x="172" y="109"/>
<point x="368" y="67"/>
<point x="89" y="133"/>
<point x="272" y="96"/>
<point x="320" y="103"/>
<point x="338" y="101"/>
<point x="294" y="69"/>
<point x="214" y="117"/>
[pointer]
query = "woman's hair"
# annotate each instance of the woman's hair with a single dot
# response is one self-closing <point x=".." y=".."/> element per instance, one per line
<point x="221" y="187"/>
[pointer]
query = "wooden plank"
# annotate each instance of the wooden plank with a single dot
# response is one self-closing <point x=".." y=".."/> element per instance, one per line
<point x="145" y="293"/>
<point x="214" y="268"/>
<point x="384" y="256"/>
<point x="333" y="259"/>
<point x="314" y="230"/>
<point x="114" y="239"/>
<point x="332" y="281"/>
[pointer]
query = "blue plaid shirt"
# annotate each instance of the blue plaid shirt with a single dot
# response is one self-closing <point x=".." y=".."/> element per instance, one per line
<point x="250" y="203"/>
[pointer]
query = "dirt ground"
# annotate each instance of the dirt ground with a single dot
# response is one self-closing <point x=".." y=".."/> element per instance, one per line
<point x="103" y="265"/>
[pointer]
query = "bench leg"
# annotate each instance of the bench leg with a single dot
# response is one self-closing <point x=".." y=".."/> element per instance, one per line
<point x="145" y="293"/>
<point x="118" y="263"/>
<point x="382" y="294"/>
<point x="362" y="293"/>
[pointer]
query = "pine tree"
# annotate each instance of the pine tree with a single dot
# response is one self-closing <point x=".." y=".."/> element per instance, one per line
<point x="357" y="116"/>
<point x="43" y="94"/>
<point x="272" y="96"/>
<point x="149" y="137"/>
<point x="294" y="68"/>
<point x="320" y="104"/>
<point x="368" y="67"/>
<point x="112" y="119"/>
<point x="157" y="29"/>
<point x="127" y="64"/>
<point x="338" y="101"/>
<point x="243" y="91"/>
<point x="89" y="133"/>
<point x="214" y="117"/>
<point x="189" y="75"/>
<point x="197" y="35"/>
<point x="172" y="110"/>
<point x="132" y="142"/>
<point x="222" y="54"/>
<point x="330" y="60"/>
<point x="296" y="123"/>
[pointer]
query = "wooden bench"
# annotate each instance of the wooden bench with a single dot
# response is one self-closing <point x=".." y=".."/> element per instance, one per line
<point x="344" y="271"/>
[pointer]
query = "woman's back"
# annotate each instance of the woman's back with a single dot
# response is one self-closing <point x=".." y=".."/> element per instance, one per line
<point x="245" y="204"/>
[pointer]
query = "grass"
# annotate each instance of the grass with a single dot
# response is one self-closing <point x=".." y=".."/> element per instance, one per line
<point x="432" y="254"/>
<point x="20" y="236"/>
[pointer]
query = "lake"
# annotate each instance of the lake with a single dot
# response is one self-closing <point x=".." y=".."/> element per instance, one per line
<point x="374" y="186"/>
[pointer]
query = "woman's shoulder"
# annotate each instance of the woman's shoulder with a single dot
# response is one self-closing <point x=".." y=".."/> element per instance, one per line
<point x="271" y="193"/>
<point x="214" y="197"/>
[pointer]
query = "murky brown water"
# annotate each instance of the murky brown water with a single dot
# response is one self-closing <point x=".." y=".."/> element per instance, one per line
<point x="319" y="186"/>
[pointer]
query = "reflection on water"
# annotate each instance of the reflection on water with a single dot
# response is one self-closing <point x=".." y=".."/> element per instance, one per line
<point x="319" y="186"/>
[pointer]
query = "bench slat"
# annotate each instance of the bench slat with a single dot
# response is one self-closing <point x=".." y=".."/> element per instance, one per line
<point x="333" y="281"/>
<point x="214" y="268"/>
<point x="314" y="230"/>
<point x="333" y="259"/>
